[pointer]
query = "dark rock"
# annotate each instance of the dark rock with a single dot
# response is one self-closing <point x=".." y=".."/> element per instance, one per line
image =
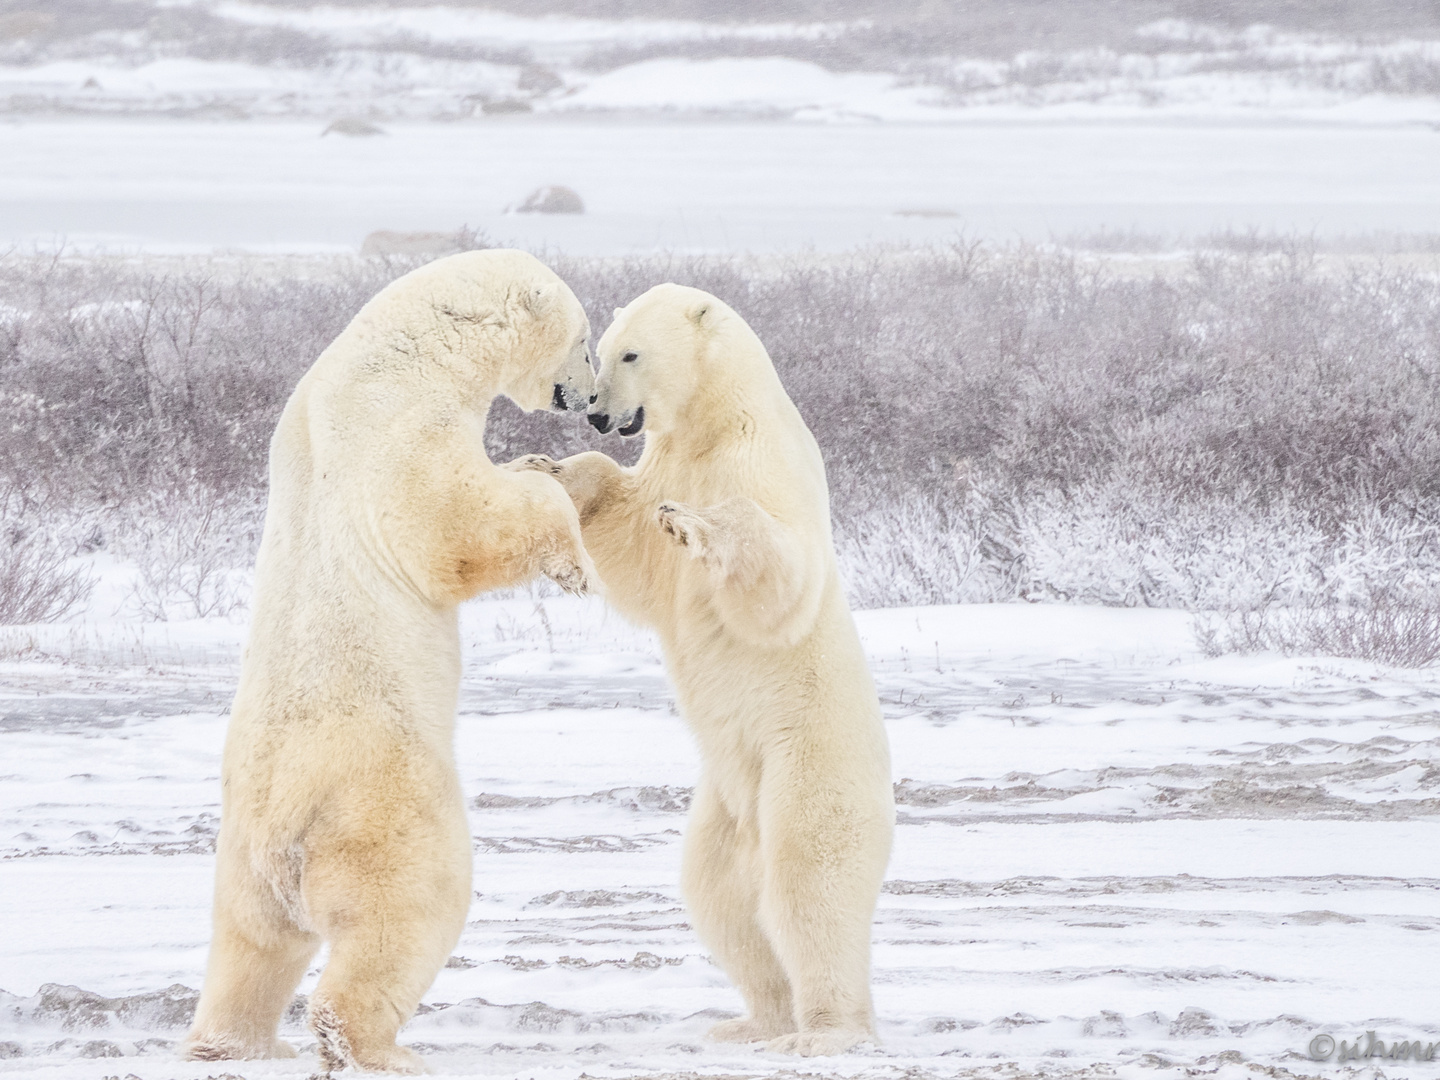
<point x="353" y="126"/>
<point x="505" y="105"/>
<point x="538" y="79"/>
<point x="554" y="199"/>
<point x="1193" y="1023"/>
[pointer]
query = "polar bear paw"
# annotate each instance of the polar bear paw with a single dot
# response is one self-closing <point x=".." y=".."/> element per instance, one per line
<point x="396" y="1059"/>
<point x="565" y="571"/>
<point x="337" y="1052"/>
<point x="686" y="527"/>
<point x="823" y="1043"/>
<point x="534" y="463"/>
<point x="230" y="1048"/>
<point x="747" y="1030"/>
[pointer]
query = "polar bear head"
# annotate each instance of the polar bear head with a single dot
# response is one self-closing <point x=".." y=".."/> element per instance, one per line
<point x="666" y="350"/>
<point x="510" y="324"/>
<point x="550" y="368"/>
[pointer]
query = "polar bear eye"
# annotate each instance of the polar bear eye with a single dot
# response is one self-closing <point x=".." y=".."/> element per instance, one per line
<point x="629" y="358"/>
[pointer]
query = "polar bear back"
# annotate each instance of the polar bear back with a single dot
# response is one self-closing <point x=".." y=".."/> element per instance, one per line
<point x="349" y="634"/>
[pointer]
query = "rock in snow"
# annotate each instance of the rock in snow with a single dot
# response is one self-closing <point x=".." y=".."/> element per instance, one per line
<point x="554" y="199"/>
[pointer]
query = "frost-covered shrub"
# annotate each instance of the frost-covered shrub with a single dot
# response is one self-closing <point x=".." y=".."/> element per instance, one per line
<point x="1399" y="630"/>
<point x="190" y="548"/>
<point x="1128" y="545"/>
<point x="997" y="423"/>
<point x="931" y="550"/>
<point x="38" y="581"/>
<point x="1138" y="547"/>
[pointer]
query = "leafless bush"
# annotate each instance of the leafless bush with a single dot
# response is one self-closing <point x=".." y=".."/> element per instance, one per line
<point x="1401" y="631"/>
<point x="1253" y="242"/>
<point x="973" y="53"/>
<point x="996" y="422"/>
<point x="936" y="548"/>
<point x="189" y="550"/>
<point x="38" y="583"/>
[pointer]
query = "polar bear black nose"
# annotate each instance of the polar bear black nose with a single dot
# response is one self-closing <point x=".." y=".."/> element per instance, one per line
<point x="599" y="421"/>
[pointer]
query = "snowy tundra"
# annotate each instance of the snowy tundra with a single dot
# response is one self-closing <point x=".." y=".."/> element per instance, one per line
<point x="1113" y="856"/>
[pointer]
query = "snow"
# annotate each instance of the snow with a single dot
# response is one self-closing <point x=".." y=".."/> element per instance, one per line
<point x="403" y="63"/>
<point x="554" y="36"/>
<point x="177" y="75"/>
<point x="1108" y="846"/>
<point x="1113" y="853"/>
<point x="764" y="84"/>
<point x="278" y="185"/>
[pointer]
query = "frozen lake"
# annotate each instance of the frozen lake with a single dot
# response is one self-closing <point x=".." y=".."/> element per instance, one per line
<point x="279" y="186"/>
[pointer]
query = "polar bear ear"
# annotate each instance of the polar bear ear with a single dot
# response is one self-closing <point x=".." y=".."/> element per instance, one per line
<point x="696" y="312"/>
<point x="539" y="299"/>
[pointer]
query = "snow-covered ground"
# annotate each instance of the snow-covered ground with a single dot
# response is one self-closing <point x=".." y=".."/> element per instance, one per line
<point x="235" y="59"/>
<point x="724" y="186"/>
<point x="1114" y="855"/>
<point x="1112" y="852"/>
<point x="197" y="125"/>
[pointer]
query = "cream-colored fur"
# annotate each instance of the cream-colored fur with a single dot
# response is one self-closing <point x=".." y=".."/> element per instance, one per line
<point x="342" y="818"/>
<point x="719" y="538"/>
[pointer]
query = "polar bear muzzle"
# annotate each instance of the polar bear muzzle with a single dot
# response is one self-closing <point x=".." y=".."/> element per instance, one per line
<point x="567" y="399"/>
<point x="573" y="382"/>
<point x="636" y="423"/>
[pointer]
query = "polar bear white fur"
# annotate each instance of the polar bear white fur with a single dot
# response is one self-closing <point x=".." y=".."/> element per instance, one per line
<point x="719" y="538"/>
<point x="342" y="819"/>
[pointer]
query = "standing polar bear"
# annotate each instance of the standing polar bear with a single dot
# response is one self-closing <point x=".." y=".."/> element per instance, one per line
<point x="719" y="538"/>
<point x="342" y="819"/>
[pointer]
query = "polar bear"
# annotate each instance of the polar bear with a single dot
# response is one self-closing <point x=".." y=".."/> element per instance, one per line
<point x="342" y="819"/>
<point x="719" y="538"/>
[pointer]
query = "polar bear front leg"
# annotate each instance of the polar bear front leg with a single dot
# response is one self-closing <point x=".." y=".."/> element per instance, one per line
<point x="764" y="579"/>
<point x="562" y="555"/>
<point x="503" y="528"/>
<point x="588" y="478"/>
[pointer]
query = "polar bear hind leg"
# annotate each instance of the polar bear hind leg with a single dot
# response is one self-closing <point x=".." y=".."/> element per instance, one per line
<point x="391" y="922"/>
<point x="384" y="952"/>
<point x="721" y="876"/>
<point x="824" y="860"/>
<point x="257" y="958"/>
